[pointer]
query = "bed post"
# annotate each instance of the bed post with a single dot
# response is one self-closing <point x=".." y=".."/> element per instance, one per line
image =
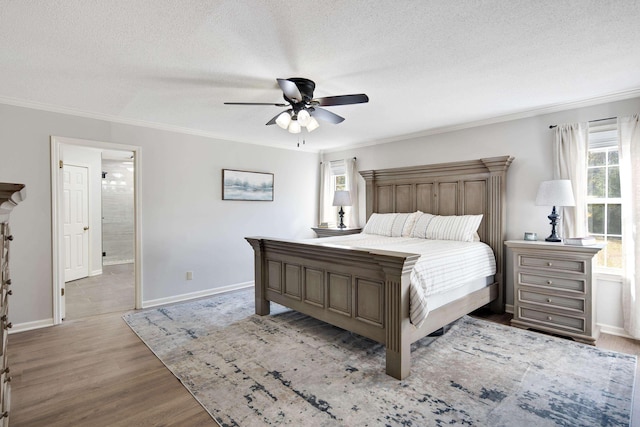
<point x="497" y="206"/>
<point x="370" y="193"/>
<point x="397" y="273"/>
<point x="263" y="306"/>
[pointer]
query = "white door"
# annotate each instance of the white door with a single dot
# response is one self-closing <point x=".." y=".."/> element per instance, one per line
<point x="76" y="222"/>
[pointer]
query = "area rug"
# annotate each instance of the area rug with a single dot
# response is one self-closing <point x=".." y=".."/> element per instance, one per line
<point x="289" y="369"/>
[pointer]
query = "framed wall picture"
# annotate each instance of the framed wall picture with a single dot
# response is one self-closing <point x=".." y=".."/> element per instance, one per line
<point x="243" y="185"/>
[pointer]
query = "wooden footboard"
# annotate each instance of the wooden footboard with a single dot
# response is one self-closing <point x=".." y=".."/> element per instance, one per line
<point x="362" y="291"/>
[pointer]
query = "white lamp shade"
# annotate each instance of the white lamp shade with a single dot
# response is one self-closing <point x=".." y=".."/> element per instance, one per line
<point x="303" y="117"/>
<point x="312" y="125"/>
<point x="283" y="120"/>
<point x="341" y="198"/>
<point x="294" y="127"/>
<point x="555" y="193"/>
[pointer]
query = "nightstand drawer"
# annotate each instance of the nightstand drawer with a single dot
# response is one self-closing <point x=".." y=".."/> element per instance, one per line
<point x="574" y="324"/>
<point x="577" y="285"/>
<point x="574" y="304"/>
<point x="552" y="264"/>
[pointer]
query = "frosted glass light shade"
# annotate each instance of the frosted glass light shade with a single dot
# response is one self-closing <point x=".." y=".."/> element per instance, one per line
<point x="283" y="120"/>
<point x="555" y="193"/>
<point x="303" y="117"/>
<point x="312" y="125"/>
<point x="294" y="127"/>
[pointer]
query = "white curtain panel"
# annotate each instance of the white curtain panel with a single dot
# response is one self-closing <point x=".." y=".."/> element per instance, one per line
<point x="327" y="212"/>
<point x="570" y="149"/>
<point x="629" y="151"/>
<point x="352" y="185"/>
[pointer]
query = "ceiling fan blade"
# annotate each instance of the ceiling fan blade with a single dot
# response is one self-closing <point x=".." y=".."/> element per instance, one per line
<point x="290" y="89"/>
<point x="328" y="101"/>
<point x="273" y="121"/>
<point x="256" y="103"/>
<point x="326" y="115"/>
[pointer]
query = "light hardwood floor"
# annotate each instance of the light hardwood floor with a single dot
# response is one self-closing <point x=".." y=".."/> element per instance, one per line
<point x="95" y="371"/>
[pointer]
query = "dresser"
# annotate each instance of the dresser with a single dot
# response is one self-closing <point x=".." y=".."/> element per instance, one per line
<point x="10" y="196"/>
<point x="554" y="289"/>
<point x="328" y="232"/>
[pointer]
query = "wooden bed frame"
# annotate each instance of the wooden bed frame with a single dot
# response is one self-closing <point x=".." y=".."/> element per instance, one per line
<point x="367" y="291"/>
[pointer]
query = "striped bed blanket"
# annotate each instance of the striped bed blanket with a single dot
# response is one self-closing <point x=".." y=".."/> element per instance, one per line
<point x="443" y="264"/>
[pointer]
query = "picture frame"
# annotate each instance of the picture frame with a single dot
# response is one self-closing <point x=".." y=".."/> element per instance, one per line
<point x="247" y="186"/>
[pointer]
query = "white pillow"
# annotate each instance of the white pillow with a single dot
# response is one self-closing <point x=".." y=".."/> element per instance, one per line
<point x="420" y="227"/>
<point x="380" y="224"/>
<point x="391" y="224"/>
<point x="410" y="224"/>
<point x="454" y="227"/>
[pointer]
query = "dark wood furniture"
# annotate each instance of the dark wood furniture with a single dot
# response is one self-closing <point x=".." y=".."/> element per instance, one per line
<point x="367" y="291"/>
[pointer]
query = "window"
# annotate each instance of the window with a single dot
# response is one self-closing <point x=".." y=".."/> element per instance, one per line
<point x="604" y="213"/>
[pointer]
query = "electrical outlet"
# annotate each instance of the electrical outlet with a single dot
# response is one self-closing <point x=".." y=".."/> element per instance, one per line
<point x="189" y="275"/>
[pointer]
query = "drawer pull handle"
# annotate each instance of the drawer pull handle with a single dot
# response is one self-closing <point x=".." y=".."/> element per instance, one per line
<point x="550" y="264"/>
<point x="549" y="282"/>
<point x="549" y="318"/>
<point x="8" y="282"/>
<point x="9" y="237"/>
<point x="548" y="299"/>
<point x="8" y="325"/>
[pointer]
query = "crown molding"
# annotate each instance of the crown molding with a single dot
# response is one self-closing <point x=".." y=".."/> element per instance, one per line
<point x="133" y="122"/>
<point x="618" y="96"/>
<point x="553" y="108"/>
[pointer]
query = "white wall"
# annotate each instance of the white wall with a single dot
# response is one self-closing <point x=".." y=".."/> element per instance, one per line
<point x="529" y="140"/>
<point x="185" y="224"/>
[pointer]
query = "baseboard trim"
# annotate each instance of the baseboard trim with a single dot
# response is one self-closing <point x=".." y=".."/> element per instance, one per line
<point x="508" y="308"/>
<point x="194" y="295"/>
<point x="614" y="330"/>
<point x="28" y="326"/>
<point x="95" y="273"/>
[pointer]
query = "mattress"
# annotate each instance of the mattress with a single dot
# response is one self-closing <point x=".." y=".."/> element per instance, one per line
<point x="445" y="271"/>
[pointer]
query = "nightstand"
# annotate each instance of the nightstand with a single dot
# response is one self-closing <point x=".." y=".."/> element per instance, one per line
<point x="328" y="232"/>
<point x="554" y="289"/>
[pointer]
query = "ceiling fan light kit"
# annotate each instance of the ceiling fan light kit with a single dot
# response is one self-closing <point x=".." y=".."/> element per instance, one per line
<point x="283" y="120"/>
<point x="304" y="110"/>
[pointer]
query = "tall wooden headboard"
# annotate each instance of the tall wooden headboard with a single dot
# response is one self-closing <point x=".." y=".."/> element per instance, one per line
<point x="457" y="188"/>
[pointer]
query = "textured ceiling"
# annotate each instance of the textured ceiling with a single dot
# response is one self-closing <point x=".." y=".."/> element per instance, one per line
<point x="424" y="64"/>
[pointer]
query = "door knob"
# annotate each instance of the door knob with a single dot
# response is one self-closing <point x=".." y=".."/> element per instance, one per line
<point x="86" y="228"/>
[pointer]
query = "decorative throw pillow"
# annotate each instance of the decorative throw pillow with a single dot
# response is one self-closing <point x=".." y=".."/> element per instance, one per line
<point x="410" y="223"/>
<point x="454" y="227"/>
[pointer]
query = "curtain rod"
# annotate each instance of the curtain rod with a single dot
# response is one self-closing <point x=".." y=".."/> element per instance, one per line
<point x="590" y="121"/>
<point x="354" y="158"/>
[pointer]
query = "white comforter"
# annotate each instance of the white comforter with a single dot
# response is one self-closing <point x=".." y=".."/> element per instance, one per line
<point x="442" y="266"/>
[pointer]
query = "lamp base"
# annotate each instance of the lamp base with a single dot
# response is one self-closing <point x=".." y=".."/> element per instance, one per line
<point x="341" y="214"/>
<point x="554" y="221"/>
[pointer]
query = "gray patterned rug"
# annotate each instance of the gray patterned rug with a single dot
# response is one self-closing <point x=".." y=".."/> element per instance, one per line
<point x="289" y="369"/>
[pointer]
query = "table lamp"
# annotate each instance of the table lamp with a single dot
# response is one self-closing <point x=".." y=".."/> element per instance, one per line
<point x="555" y="193"/>
<point x="341" y="198"/>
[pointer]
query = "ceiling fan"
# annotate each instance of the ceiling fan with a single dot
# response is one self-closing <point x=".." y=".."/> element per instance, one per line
<point x="304" y="109"/>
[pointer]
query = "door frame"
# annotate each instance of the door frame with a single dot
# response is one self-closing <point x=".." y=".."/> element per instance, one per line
<point x="57" y="241"/>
